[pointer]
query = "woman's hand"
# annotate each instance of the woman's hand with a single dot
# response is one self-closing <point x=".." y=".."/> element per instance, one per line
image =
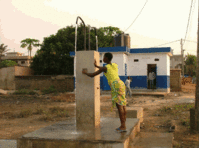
<point x="84" y="71"/>
<point x="95" y="63"/>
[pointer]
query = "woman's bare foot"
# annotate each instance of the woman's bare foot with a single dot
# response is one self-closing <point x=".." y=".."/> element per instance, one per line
<point x="122" y="128"/>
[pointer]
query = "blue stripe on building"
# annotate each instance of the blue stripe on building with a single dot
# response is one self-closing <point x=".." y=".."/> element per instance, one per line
<point x="138" y="82"/>
<point x="113" y="49"/>
<point x="150" y="50"/>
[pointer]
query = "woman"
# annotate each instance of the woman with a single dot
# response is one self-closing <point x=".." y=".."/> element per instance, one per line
<point x="117" y="87"/>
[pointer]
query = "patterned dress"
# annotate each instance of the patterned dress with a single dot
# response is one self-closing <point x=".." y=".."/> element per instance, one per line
<point x="117" y="86"/>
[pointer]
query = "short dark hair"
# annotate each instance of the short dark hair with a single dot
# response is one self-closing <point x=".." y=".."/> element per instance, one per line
<point x="108" y="55"/>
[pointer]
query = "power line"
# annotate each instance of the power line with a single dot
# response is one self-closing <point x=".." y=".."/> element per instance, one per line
<point x="137" y="16"/>
<point x="188" y="20"/>
<point x="167" y="43"/>
<point x="191" y="41"/>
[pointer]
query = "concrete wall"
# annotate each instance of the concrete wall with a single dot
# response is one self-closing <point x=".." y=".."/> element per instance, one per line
<point x="60" y="82"/>
<point x="7" y="76"/>
<point x="175" y="80"/>
<point x="175" y="60"/>
<point x="23" y="71"/>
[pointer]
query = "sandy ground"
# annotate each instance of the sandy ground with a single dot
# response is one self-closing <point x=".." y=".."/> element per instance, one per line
<point x="23" y="114"/>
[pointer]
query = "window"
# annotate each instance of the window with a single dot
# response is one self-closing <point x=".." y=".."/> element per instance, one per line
<point x="156" y="59"/>
<point x="136" y="60"/>
<point x="22" y="62"/>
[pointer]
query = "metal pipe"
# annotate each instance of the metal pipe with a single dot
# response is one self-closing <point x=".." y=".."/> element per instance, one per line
<point x="89" y="45"/>
<point x="96" y="38"/>
<point x="84" y="30"/>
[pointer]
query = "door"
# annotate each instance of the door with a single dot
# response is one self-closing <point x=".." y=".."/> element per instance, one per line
<point x="151" y="67"/>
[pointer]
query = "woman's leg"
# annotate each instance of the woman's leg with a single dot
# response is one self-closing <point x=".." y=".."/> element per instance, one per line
<point x="124" y="108"/>
<point x="122" y="114"/>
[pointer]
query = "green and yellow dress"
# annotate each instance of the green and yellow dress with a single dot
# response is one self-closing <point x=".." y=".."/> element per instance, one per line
<point x="117" y="86"/>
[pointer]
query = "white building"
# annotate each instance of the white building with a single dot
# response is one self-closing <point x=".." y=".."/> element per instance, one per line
<point x="136" y="63"/>
<point x="18" y="58"/>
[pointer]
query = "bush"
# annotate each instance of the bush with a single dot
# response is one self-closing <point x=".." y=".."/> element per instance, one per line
<point x="25" y="113"/>
<point x="32" y="93"/>
<point x="39" y="111"/>
<point x="8" y="63"/>
<point x="51" y="89"/>
<point x="20" y="92"/>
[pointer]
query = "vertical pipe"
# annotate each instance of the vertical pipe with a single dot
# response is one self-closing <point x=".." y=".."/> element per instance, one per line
<point x="85" y="38"/>
<point x="89" y="46"/>
<point x="75" y="39"/>
<point x="96" y="43"/>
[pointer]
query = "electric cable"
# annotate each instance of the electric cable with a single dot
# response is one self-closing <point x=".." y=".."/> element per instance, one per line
<point x="137" y="16"/>
<point x="167" y="43"/>
<point x="188" y="22"/>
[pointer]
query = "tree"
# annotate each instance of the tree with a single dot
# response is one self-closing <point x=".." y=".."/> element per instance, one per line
<point x="54" y="58"/>
<point x="30" y="43"/>
<point x="190" y="63"/>
<point x="8" y="63"/>
<point x="3" y="50"/>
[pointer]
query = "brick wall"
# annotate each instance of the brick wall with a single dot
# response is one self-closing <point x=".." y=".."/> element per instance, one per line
<point x="175" y="79"/>
<point x="23" y="71"/>
<point x="61" y="82"/>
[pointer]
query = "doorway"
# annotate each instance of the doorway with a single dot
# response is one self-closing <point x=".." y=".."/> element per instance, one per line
<point x="151" y="67"/>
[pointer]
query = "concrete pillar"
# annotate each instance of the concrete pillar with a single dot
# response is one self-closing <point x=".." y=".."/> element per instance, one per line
<point x="87" y="91"/>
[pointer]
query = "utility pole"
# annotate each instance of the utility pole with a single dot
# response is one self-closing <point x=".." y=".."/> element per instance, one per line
<point x="197" y="84"/>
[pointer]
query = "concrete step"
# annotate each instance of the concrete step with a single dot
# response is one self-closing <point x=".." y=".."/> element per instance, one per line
<point x="6" y="143"/>
<point x="153" y="140"/>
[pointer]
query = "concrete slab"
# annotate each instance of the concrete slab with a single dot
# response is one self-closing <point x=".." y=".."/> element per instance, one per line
<point x="64" y="134"/>
<point x="7" y="143"/>
<point x="154" y="140"/>
<point x="133" y="112"/>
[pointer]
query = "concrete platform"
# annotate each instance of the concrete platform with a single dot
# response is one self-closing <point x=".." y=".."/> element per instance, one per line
<point x="133" y="112"/>
<point x="153" y="140"/>
<point x="64" y="134"/>
<point x="7" y="143"/>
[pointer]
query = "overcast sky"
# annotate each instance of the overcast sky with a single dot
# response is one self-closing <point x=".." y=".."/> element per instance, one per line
<point x="161" y="21"/>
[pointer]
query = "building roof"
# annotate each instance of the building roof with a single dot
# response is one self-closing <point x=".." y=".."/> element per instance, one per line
<point x="131" y="51"/>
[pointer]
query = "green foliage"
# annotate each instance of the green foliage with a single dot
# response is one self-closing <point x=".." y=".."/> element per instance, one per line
<point x="32" y="93"/>
<point x="49" y="90"/>
<point x="54" y="56"/>
<point x="20" y="92"/>
<point x="8" y="63"/>
<point x="3" y="49"/>
<point x="190" y="64"/>
<point x="30" y="43"/>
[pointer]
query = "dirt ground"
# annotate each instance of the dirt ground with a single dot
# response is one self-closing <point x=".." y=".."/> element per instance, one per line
<point x="21" y="114"/>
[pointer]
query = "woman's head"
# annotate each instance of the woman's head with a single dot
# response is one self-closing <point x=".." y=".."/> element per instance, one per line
<point x="107" y="57"/>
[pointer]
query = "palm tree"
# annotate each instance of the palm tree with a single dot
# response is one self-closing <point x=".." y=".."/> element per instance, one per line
<point x="30" y="43"/>
<point x="3" y="50"/>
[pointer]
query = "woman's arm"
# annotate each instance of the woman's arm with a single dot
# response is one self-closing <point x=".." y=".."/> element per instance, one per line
<point x="98" y="66"/>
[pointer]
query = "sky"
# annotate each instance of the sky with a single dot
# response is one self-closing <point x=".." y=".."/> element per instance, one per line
<point x="161" y="21"/>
